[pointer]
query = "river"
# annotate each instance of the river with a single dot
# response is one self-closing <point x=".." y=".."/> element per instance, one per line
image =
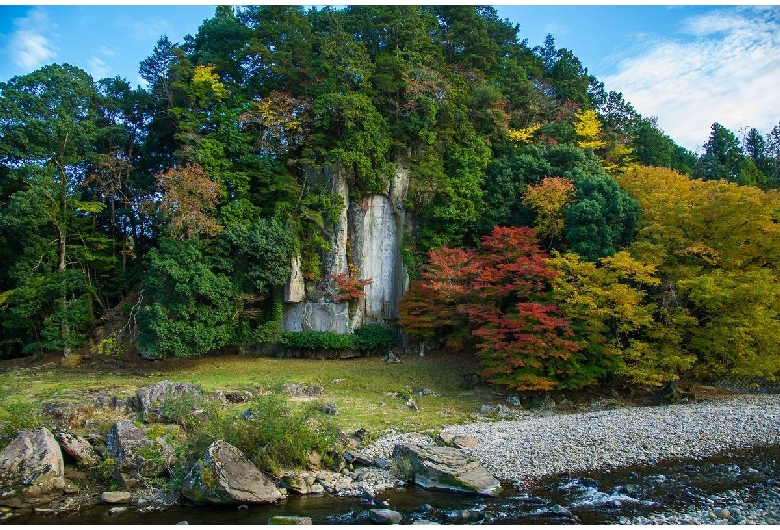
<point x="586" y="498"/>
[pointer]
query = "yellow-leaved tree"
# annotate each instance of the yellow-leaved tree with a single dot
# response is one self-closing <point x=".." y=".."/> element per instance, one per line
<point x="716" y="246"/>
<point x="588" y="129"/>
<point x="547" y="199"/>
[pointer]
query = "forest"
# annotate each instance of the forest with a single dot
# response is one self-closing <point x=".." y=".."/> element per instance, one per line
<point x="559" y="235"/>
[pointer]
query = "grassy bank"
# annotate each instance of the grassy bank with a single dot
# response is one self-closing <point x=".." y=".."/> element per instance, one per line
<point x="368" y="393"/>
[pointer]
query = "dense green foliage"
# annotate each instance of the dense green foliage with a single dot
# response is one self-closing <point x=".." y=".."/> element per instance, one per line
<point x="364" y="338"/>
<point x="197" y="191"/>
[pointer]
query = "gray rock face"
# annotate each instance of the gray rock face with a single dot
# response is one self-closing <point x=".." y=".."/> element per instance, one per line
<point x="125" y="443"/>
<point x="316" y="316"/>
<point x="381" y="259"/>
<point x="446" y="468"/>
<point x="223" y="475"/>
<point x="295" y="289"/>
<point x="77" y="448"/>
<point x="165" y="401"/>
<point x="31" y="470"/>
<point x="365" y="239"/>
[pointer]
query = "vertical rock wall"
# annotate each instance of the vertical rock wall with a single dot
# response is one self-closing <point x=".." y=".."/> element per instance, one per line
<point x="367" y="239"/>
<point x="380" y="259"/>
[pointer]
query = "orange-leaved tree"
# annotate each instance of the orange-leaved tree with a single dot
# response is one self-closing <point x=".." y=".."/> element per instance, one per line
<point x="498" y="297"/>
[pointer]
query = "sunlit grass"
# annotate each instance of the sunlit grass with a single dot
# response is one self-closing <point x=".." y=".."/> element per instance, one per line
<point x="368" y="393"/>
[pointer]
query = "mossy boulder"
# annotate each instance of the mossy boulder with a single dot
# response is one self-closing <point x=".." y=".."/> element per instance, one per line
<point x="32" y="471"/>
<point x="223" y="475"/>
<point x="445" y="468"/>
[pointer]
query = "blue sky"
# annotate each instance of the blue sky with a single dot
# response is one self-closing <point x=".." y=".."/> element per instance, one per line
<point x="688" y="65"/>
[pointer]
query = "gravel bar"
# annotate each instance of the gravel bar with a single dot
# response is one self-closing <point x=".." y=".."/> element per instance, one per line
<point x="527" y="449"/>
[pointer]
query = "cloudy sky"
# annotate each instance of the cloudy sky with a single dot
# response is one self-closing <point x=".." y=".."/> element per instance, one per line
<point x="690" y="66"/>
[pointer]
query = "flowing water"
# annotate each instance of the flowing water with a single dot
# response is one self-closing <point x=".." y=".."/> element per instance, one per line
<point x="586" y="498"/>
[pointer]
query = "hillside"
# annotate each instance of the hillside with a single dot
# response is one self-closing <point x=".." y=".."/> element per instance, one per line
<point x="291" y="170"/>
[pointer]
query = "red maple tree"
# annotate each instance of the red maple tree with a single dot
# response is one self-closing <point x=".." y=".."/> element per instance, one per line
<point x="498" y="296"/>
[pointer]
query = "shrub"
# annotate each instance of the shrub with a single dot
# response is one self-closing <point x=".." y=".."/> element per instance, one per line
<point x="364" y="338"/>
<point x="272" y="434"/>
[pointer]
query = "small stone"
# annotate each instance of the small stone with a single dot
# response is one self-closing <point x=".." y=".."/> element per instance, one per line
<point x="317" y="488"/>
<point x="116" y="510"/>
<point x="424" y="521"/>
<point x="115" y="497"/>
<point x="183" y="522"/>
<point x="560" y="510"/>
<point x="330" y="409"/>
<point x="721" y="513"/>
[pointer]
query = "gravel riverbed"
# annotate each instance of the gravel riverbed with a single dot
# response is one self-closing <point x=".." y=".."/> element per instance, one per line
<point x="539" y="446"/>
<point x="519" y="451"/>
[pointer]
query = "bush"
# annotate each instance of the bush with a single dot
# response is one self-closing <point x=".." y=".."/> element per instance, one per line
<point x="365" y="338"/>
<point x="272" y="434"/>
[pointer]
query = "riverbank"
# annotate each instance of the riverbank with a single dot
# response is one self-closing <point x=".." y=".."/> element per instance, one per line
<point x="520" y="451"/>
<point x="527" y="450"/>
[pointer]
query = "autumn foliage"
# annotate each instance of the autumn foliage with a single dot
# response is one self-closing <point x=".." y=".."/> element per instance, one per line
<point x="495" y="298"/>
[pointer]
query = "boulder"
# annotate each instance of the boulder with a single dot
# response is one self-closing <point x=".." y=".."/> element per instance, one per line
<point x="296" y="484"/>
<point x="384" y="516"/>
<point x="32" y="471"/>
<point x="357" y="458"/>
<point x="446" y="468"/>
<point x="296" y="390"/>
<point x="458" y="440"/>
<point x="133" y="451"/>
<point x="166" y="401"/>
<point x="223" y="475"/>
<point x="78" y="449"/>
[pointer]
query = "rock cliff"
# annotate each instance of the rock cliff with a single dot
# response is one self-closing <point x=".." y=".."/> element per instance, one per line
<point x="366" y="242"/>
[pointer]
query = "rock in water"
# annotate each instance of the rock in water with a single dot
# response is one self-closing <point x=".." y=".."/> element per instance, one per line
<point x="385" y="516"/>
<point x="223" y="475"/>
<point x="289" y="519"/>
<point x="32" y="471"/>
<point x="448" y="469"/>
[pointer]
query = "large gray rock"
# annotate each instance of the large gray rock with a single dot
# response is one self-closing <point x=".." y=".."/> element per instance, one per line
<point x="167" y="401"/>
<point x="77" y="448"/>
<point x="385" y="516"/>
<point x="133" y="451"/>
<point x="446" y="468"/>
<point x="223" y="475"/>
<point x="31" y="470"/>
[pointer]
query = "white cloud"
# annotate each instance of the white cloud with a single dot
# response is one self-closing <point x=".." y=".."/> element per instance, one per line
<point x="98" y="68"/>
<point x="28" y="44"/>
<point x="727" y="71"/>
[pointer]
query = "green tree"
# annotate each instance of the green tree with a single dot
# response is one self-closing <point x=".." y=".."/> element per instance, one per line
<point x="189" y="304"/>
<point x="722" y="158"/>
<point x="48" y="127"/>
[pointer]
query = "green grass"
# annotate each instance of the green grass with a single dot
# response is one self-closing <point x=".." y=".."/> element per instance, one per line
<point x="369" y="394"/>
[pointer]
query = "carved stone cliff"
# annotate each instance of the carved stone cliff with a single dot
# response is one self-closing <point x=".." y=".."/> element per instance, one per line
<point x="366" y="245"/>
